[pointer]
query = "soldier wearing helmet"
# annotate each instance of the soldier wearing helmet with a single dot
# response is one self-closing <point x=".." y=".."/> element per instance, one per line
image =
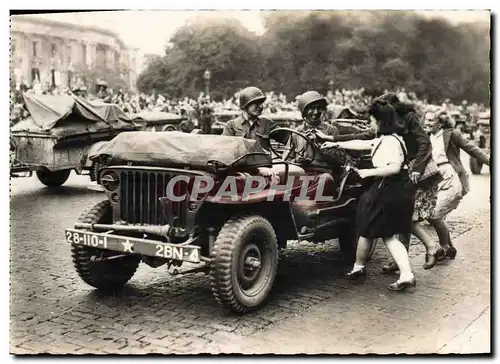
<point x="249" y="124"/>
<point x="313" y="108"/>
<point x="205" y="116"/>
<point x="103" y="91"/>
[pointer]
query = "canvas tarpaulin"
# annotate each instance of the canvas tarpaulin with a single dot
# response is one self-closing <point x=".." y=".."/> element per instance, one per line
<point x="64" y="115"/>
<point x="152" y="116"/>
<point x="176" y="149"/>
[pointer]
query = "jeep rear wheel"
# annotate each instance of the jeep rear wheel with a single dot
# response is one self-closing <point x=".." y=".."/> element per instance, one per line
<point x="102" y="274"/>
<point x="244" y="263"/>
<point x="53" y="178"/>
<point x="475" y="166"/>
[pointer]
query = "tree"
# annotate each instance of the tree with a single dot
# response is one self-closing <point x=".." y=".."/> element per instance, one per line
<point x="304" y="50"/>
<point x="155" y="76"/>
<point x="224" y="47"/>
<point x="115" y="77"/>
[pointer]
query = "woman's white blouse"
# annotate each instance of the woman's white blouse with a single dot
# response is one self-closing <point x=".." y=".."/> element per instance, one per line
<point x="389" y="150"/>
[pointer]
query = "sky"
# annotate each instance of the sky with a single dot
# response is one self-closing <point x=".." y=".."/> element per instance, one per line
<point x="150" y="30"/>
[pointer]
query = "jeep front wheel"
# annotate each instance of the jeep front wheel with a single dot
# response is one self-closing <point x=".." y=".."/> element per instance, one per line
<point x="244" y="263"/>
<point x="53" y="178"/>
<point x="93" y="265"/>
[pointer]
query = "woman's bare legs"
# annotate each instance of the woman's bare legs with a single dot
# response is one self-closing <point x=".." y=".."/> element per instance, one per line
<point x="400" y="255"/>
<point x="433" y="250"/>
<point x="444" y="236"/>
<point x="430" y="246"/>
<point x="362" y="253"/>
<point x="442" y="231"/>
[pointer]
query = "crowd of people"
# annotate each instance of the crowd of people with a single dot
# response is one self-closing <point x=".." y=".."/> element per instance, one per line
<point x="356" y="101"/>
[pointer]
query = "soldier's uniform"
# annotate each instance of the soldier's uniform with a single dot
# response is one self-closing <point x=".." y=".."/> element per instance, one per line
<point x="206" y="118"/>
<point x="297" y="143"/>
<point x="256" y="128"/>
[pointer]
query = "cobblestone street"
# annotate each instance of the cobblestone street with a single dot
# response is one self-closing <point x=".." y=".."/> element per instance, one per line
<point x="313" y="308"/>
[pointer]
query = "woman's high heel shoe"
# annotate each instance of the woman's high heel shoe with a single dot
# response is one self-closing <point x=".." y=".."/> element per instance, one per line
<point x="432" y="259"/>
<point x="451" y="252"/>
<point x="356" y="274"/>
<point x="399" y="286"/>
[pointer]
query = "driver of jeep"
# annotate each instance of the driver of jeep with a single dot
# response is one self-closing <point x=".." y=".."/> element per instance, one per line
<point x="313" y="108"/>
<point x="250" y="124"/>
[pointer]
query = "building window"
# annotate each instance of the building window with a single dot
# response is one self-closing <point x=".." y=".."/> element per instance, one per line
<point x="35" y="49"/>
<point x="70" y="53"/>
<point x="53" y="49"/>
<point x="13" y="48"/>
<point x="70" y="79"/>
<point x="84" y="53"/>
<point x="35" y="74"/>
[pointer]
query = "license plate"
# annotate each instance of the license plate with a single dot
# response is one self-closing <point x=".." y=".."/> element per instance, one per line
<point x="124" y="244"/>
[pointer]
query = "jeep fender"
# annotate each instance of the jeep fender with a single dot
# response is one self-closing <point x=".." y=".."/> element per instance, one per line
<point x="279" y="215"/>
<point x="94" y="148"/>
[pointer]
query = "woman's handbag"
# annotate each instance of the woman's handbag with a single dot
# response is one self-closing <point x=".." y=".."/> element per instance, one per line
<point x="431" y="169"/>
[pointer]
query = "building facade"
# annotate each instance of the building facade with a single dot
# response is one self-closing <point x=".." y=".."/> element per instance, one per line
<point x="57" y="53"/>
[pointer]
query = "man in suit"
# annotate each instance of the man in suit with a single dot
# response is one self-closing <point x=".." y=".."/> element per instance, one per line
<point x="446" y="145"/>
<point x="453" y="142"/>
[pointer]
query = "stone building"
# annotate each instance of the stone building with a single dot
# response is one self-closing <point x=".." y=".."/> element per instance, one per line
<point x="54" y="52"/>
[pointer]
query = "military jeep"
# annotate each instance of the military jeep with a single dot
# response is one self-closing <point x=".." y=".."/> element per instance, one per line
<point x="234" y="237"/>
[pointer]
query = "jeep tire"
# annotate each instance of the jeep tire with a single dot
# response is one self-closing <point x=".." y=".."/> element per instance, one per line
<point x="107" y="274"/>
<point x="244" y="261"/>
<point x="53" y="178"/>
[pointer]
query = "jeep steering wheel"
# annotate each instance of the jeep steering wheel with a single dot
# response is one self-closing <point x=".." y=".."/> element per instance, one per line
<point x="301" y="154"/>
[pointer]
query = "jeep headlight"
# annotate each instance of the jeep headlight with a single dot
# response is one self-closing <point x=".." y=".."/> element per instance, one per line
<point x="110" y="181"/>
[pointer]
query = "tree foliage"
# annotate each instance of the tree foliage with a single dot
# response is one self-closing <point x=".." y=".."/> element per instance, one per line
<point x="115" y="77"/>
<point x="224" y="47"/>
<point x="303" y="50"/>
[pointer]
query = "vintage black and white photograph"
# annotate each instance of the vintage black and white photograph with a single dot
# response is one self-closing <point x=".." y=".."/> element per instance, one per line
<point x="250" y="182"/>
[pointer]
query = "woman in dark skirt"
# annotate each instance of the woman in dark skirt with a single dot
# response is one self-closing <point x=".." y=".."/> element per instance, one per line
<point x="419" y="150"/>
<point x="385" y="209"/>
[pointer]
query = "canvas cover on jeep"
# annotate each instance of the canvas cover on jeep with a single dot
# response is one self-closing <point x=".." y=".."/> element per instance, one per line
<point x="65" y="115"/>
<point x="179" y="150"/>
<point x="156" y="117"/>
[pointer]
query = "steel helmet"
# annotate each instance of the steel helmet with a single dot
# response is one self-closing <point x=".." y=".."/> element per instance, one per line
<point x="308" y="98"/>
<point x="249" y="95"/>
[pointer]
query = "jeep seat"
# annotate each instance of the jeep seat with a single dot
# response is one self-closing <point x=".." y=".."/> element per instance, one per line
<point x="293" y="170"/>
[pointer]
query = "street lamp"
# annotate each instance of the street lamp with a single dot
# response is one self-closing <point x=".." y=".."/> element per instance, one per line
<point x="331" y="84"/>
<point x="207" y="76"/>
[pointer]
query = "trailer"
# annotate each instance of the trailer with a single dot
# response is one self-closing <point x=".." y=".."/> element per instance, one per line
<point x="60" y="134"/>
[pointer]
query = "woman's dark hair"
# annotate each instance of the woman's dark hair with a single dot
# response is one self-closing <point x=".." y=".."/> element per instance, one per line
<point x="387" y="118"/>
<point x="401" y="108"/>
<point x="390" y="97"/>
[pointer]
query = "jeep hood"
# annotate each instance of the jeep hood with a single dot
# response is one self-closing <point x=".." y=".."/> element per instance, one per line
<point x="176" y="149"/>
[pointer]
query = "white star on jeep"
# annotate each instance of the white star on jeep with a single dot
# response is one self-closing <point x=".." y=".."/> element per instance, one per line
<point x="127" y="246"/>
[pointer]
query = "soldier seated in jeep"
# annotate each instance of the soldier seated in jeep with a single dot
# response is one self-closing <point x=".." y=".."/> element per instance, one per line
<point x="250" y="124"/>
<point x="313" y="108"/>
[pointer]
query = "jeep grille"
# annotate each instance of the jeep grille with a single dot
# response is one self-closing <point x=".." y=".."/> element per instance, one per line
<point x="139" y="194"/>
